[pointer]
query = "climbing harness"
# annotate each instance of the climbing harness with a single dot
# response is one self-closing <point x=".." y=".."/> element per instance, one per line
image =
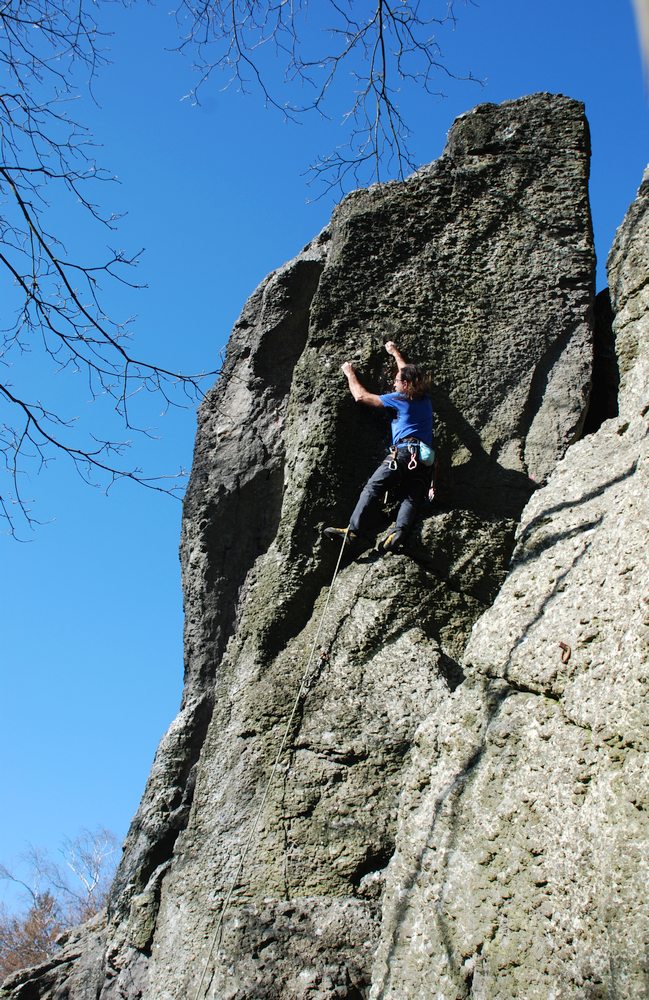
<point x="415" y="449"/>
<point x="419" y="451"/>
<point x="324" y="656"/>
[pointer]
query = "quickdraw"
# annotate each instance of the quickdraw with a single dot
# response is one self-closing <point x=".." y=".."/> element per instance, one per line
<point x="413" y="449"/>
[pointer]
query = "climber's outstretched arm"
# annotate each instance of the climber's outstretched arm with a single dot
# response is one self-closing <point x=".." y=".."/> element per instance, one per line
<point x="359" y="392"/>
<point x="392" y="349"/>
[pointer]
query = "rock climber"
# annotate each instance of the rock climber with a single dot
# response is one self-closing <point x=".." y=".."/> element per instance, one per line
<point x="410" y="460"/>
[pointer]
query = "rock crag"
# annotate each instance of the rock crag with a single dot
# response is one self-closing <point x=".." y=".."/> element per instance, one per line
<point x="440" y="716"/>
<point x="522" y="862"/>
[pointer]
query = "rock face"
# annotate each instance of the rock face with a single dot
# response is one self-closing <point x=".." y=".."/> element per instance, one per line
<point x="522" y="862"/>
<point x="505" y="774"/>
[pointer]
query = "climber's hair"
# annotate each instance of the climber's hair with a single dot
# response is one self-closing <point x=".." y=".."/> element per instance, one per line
<point x="417" y="385"/>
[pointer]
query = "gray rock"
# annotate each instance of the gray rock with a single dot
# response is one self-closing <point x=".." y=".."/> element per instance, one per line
<point x="75" y="970"/>
<point x="231" y="514"/>
<point x="522" y="860"/>
<point x="480" y="266"/>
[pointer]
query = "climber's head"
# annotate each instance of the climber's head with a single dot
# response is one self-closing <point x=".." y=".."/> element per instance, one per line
<point x="412" y="382"/>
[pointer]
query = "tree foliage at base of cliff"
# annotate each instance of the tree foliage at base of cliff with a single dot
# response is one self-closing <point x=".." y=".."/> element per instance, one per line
<point x="56" y="896"/>
<point x="59" y="317"/>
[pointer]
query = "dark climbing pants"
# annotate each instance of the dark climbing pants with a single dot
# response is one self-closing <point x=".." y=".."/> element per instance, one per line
<point x="413" y="486"/>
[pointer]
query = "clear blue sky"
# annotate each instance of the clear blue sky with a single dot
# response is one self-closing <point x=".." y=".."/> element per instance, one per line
<point x="91" y="609"/>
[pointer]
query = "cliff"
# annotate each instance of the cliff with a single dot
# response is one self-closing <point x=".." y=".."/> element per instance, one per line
<point x="521" y="863"/>
<point x="448" y="813"/>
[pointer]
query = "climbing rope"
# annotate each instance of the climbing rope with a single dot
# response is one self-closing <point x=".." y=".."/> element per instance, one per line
<point x="301" y="690"/>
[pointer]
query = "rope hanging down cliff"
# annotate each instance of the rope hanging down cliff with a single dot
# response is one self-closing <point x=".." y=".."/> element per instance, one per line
<point x="301" y="691"/>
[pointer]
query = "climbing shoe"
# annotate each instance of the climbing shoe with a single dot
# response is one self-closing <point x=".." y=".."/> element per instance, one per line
<point x="337" y="534"/>
<point x="393" y="541"/>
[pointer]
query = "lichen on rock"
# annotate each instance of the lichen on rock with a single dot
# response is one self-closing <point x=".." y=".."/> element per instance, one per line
<point x="522" y="861"/>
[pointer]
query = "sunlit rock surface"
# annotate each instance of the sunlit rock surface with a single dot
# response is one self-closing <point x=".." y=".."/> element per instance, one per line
<point x="522" y="860"/>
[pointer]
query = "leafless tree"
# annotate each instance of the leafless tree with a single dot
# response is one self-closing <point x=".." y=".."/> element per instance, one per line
<point x="375" y="48"/>
<point x="56" y="302"/>
<point x="58" y="895"/>
<point x="53" y="308"/>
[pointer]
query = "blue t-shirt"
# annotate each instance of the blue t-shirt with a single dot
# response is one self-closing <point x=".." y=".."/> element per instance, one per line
<point x="413" y="419"/>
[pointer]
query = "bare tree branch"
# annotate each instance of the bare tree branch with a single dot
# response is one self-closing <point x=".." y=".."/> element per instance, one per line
<point x="48" y="49"/>
<point x="383" y="46"/>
